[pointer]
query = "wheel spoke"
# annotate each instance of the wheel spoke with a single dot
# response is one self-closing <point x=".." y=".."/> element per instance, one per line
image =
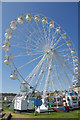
<point x="29" y="62"/>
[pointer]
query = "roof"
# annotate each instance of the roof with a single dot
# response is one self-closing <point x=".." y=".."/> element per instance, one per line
<point x="72" y="94"/>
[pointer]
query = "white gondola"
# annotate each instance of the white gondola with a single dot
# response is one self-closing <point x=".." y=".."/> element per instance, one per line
<point x="75" y="60"/>
<point x="51" y="24"/>
<point x="76" y="68"/>
<point x="34" y="74"/>
<point x="5" y="47"/>
<point x="76" y="73"/>
<point x="64" y="36"/>
<point x="72" y="51"/>
<point x="24" y="89"/>
<point x="13" y="76"/>
<point x="28" y="17"/>
<point x="14" y="71"/>
<point x="7" y="42"/>
<point x="7" y="62"/>
<point x="68" y="41"/>
<point x="20" y="20"/>
<point x="44" y="20"/>
<point x="58" y="29"/>
<point x="68" y="44"/>
<point x="76" y="65"/>
<point x="75" y="57"/>
<point x="23" y="83"/>
<point x="49" y="68"/>
<point x="36" y="18"/>
<point x="13" y="25"/>
<point x="8" y="34"/>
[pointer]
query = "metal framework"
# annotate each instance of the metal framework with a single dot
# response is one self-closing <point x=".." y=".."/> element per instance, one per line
<point x="40" y="40"/>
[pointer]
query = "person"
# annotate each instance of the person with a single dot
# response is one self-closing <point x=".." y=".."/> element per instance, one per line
<point x="67" y="108"/>
<point x="35" y="111"/>
<point x="0" y="114"/>
<point x="64" y="104"/>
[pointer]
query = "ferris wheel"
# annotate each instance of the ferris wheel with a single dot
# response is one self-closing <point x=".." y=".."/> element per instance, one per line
<point x="38" y="43"/>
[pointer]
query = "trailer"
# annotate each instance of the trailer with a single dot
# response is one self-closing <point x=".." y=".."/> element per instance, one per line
<point x="72" y="99"/>
<point x="23" y="105"/>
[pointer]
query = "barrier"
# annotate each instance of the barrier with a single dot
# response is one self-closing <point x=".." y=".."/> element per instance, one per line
<point x="7" y="116"/>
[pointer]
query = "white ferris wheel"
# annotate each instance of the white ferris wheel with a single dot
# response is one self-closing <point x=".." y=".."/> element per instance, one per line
<point x="38" y="43"/>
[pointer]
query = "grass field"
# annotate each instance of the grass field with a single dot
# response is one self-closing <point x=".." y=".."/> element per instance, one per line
<point x="71" y="114"/>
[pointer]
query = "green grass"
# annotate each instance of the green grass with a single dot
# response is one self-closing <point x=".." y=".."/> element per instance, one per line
<point x="5" y="108"/>
<point x="71" y="114"/>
